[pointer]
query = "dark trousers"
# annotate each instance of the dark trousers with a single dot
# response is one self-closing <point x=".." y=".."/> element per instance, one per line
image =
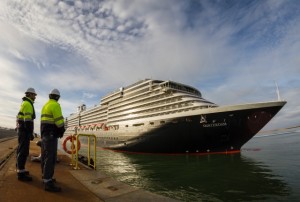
<point x="48" y="155"/>
<point x="23" y="149"/>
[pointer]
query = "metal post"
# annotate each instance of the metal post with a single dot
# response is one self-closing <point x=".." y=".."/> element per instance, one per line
<point x="76" y="149"/>
<point x="72" y="155"/>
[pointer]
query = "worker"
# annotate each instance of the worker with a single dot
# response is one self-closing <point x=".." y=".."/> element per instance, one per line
<point x="52" y="128"/>
<point x="25" y="129"/>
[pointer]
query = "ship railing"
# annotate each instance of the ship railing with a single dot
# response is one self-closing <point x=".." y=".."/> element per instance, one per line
<point x="90" y="162"/>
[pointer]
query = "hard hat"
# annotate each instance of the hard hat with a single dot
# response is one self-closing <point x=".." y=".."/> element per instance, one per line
<point x="54" y="92"/>
<point x="30" y="90"/>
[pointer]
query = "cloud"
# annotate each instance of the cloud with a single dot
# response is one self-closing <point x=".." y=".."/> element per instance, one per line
<point x="233" y="51"/>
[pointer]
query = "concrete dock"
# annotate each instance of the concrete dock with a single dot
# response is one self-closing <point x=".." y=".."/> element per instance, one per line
<point x="84" y="184"/>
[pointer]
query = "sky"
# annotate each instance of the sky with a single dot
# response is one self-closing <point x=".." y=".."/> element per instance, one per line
<point x="233" y="51"/>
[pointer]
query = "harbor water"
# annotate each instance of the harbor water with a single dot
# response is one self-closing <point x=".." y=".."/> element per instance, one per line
<point x="267" y="169"/>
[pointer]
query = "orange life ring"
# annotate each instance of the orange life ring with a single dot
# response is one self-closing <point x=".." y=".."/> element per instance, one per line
<point x="73" y="150"/>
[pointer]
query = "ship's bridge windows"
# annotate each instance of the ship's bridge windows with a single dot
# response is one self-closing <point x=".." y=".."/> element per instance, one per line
<point x="181" y="87"/>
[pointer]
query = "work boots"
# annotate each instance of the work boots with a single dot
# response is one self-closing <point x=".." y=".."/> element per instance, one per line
<point x="24" y="177"/>
<point x="50" y="186"/>
<point x="26" y="172"/>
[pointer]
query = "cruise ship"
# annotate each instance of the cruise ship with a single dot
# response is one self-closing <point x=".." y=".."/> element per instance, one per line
<point x="155" y="116"/>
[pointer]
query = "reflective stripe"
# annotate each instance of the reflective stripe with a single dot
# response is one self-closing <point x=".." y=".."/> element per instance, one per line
<point x="58" y="118"/>
<point x="48" y="121"/>
<point x="47" y="115"/>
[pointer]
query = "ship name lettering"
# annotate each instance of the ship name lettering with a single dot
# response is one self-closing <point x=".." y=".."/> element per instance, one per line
<point x="209" y="125"/>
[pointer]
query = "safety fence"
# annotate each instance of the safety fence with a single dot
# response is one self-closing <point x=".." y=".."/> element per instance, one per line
<point x="91" y="162"/>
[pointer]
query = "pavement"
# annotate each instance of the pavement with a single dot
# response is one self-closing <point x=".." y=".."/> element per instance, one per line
<point x="7" y="148"/>
<point x="84" y="184"/>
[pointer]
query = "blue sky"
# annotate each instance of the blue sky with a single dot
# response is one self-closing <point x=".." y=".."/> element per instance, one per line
<point x="232" y="51"/>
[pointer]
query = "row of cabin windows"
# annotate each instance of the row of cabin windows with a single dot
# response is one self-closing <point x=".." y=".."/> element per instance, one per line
<point x="175" y="106"/>
<point x="171" y="100"/>
<point x="141" y="124"/>
<point x="136" y="87"/>
<point x="160" y="114"/>
<point x="140" y="92"/>
<point x="151" y="104"/>
<point x="131" y="92"/>
<point x="133" y="99"/>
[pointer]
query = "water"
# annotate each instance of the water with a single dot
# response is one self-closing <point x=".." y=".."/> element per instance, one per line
<point x="267" y="169"/>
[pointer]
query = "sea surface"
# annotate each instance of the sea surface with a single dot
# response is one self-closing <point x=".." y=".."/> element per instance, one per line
<point x="267" y="169"/>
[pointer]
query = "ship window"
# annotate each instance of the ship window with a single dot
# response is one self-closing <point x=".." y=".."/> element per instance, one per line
<point x="151" y="123"/>
<point x="162" y="122"/>
<point x="138" y="124"/>
<point x="126" y="126"/>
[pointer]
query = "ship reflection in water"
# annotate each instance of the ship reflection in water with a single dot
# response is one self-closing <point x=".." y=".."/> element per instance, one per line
<point x="231" y="177"/>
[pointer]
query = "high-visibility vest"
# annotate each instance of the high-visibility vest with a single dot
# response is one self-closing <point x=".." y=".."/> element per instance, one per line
<point x="51" y="116"/>
<point x="26" y="115"/>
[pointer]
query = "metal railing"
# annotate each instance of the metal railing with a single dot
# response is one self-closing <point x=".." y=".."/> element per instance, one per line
<point x="89" y="136"/>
